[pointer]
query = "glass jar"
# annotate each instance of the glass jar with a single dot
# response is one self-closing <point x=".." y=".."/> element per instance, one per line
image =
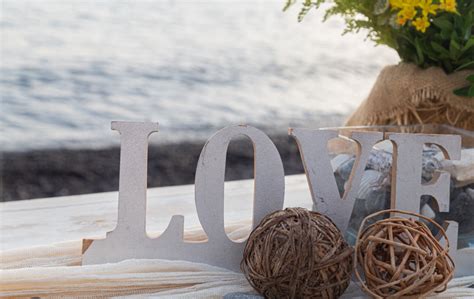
<point x="375" y="188"/>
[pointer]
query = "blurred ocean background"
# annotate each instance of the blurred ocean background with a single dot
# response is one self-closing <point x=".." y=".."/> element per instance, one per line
<point x="70" y="67"/>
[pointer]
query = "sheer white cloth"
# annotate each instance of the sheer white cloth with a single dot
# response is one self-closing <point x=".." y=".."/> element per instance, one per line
<point x="37" y="260"/>
<point x="52" y="271"/>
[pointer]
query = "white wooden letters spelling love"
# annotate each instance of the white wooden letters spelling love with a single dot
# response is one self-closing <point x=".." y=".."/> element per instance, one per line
<point x="129" y="239"/>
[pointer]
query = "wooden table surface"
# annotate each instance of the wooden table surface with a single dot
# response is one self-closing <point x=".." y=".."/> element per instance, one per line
<point x="29" y="223"/>
<point x="45" y="221"/>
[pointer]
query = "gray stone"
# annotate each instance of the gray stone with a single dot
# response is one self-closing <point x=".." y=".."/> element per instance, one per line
<point x="427" y="211"/>
<point x="239" y="295"/>
<point x="380" y="160"/>
<point x="338" y="160"/>
<point x="462" y="210"/>
<point x="344" y="170"/>
<point x="340" y="184"/>
<point x="430" y="165"/>
<point x="470" y="192"/>
<point x="342" y="167"/>
<point x="371" y="180"/>
<point x="376" y="201"/>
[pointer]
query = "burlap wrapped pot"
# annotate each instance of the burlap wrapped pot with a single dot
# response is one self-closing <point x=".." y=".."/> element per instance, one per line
<point x="405" y="94"/>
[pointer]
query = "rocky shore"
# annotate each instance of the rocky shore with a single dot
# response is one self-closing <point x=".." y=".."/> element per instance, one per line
<point x="60" y="172"/>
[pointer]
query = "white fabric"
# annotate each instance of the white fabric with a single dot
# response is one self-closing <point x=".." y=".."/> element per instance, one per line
<point x="37" y="258"/>
<point x="119" y="279"/>
<point x="54" y="271"/>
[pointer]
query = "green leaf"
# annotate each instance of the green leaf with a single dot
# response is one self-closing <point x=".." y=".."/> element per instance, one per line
<point x="440" y="49"/>
<point x="443" y="24"/>
<point x="468" y="32"/>
<point x="470" y="78"/>
<point x="288" y="4"/>
<point x="465" y="66"/>
<point x="470" y="93"/>
<point x="419" y="52"/>
<point x="467" y="91"/>
<point x="445" y="34"/>
<point x="462" y="92"/>
<point x="454" y="49"/>
<point x="468" y="45"/>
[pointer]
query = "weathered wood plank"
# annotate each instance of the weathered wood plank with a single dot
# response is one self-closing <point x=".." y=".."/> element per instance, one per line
<point x="51" y="220"/>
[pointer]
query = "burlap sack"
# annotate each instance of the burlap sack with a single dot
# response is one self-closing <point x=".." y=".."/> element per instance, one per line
<point x="405" y="94"/>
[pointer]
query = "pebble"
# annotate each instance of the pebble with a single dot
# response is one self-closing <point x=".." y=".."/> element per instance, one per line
<point x="470" y="192"/>
<point x="380" y="160"/>
<point x="338" y="160"/>
<point x="461" y="209"/>
<point x="371" y="180"/>
<point x="239" y="295"/>
<point x="377" y="200"/>
<point x="427" y="211"/>
<point x="345" y="169"/>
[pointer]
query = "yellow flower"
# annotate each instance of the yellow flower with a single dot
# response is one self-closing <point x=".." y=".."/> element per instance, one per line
<point x="400" y="4"/>
<point x="428" y="7"/>
<point x="401" y="20"/>
<point x="408" y="12"/>
<point x="411" y="2"/>
<point x="448" y="5"/>
<point x="421" y="24"/>
<point x="397" y="4"/>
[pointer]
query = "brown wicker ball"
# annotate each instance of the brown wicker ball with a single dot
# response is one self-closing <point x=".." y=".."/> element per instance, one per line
<point x="401" y="257"/>
<point x="296" y="253"/>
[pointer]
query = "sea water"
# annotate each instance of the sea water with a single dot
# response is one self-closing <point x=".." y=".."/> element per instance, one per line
<point x="69" y="67"/>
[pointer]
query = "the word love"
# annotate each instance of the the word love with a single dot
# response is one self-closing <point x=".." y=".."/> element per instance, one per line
<point x="129" y="239"/>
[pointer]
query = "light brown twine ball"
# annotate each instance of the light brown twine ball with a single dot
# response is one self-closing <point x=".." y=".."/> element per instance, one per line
<point x="401" y="257"/>
<point x="296" y="253"/>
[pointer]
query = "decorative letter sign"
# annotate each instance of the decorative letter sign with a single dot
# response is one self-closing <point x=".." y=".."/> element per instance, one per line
<point x="129" y="239"/>
<point x="322" y="184"/>
<point x="406" y="178"/>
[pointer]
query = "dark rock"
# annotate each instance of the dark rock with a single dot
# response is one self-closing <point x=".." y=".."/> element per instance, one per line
<point x="462" y="210"/>
<point x="340" y="182"/>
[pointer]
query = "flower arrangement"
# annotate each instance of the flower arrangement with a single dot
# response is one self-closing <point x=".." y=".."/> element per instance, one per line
<point x="424" y="32"/>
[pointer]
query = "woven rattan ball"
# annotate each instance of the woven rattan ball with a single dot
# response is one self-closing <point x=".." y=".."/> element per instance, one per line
<point x="296" y="253"/>
<point x="400" y="257"/>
